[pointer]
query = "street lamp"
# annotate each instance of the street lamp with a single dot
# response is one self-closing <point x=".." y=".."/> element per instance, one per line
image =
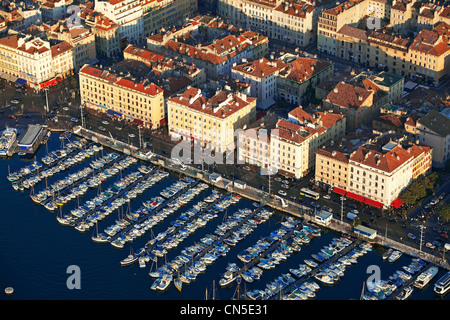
<point x="342" y="208"/>
<point x="46" y="99"/>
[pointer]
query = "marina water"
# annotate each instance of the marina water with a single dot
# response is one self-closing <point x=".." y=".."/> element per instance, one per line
<point x="36" y="251"/>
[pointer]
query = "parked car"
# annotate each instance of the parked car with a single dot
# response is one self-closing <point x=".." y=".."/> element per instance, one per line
<point x="101" y="128"/>
<point x="282" y="192"/>
<point x="131" y="135"/>
<point x="434" y="201"/>
<point x="105" y="121"/>
<point x="326" y="197"/>
<point x="246" y="168"/>
<point x="411" y="236"/>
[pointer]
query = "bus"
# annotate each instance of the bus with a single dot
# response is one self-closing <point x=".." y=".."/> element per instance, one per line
<point x="309" y="193"/>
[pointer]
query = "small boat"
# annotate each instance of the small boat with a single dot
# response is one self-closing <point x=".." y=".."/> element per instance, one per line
<point x="405" y="293"/>
<point x="178" y="283"/>
<point x="387" y="254"/>
<point x="395" y="255"/>
<point x="129" y="260"/>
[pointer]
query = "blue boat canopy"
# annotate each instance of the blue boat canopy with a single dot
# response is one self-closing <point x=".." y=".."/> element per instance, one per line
<point x="21" y="81"/>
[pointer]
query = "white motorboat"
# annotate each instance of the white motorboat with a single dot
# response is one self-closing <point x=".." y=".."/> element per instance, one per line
<point x="425" y="277"/>
<point x="395" y="255"/>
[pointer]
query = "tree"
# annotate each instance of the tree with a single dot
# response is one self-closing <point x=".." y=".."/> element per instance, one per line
<point x="444" y="212"/>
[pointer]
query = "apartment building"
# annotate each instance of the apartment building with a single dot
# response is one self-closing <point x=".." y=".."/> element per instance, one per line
<point x="215" y="58"/>
<point x="331" y="168"/>
<point x="106" y="32"/>
<point x="375" y="173"/>
<point x="433" y="130"/>
<point x="210" y="121"/>
<point x="9" y="65"/>
<point x="333" y="19"/>
<point x="167" y="13"/>
<point x="19" y="15"/>
<point x="262" y="74"/>
<point x="296" y="82"/>
<point x="392" y="84"/>
<point x="346" y="32"/>
<point x="117" y="95"/>
<point x="62" y="59"/>
<point x="292" y="22"/>
<point x="355" y="102"/>
<point x="54" y="10"/>
<point x="82" y="40"/>
<point x="290" y="146"/>
<point x="127" y="14"/>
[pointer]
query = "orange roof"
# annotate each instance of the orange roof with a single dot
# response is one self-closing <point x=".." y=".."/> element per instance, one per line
<point x="348" y="96"/>
<point x="221" y="105"/>
<point x="301" y="115"/>
<point x="260" y="68"/>
<point x="10" y="41"/>
<point x="150" y="89"/>
<point x="143" y="53"/>
<point x="386" y="162"/>
<point x="60" y="48"/>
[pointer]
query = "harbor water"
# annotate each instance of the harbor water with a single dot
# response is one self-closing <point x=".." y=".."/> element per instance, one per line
<point x="38" y="254"/>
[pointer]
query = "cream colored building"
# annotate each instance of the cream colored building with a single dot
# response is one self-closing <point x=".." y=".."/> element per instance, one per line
<point x="286" y="21"/>
<point x="82" y="40"/>
<point x="34" y="60"/>
<point x="290" y="146"/>
<point x="127" y="14"/>
<point x="214" y="121"/>
<point x="8" y="55"/>
<point x="375" y="175"/>
<point x="115" y="95"/>
<point x="62" y="59"/>
<point x="262" y="74"/>
<point x="166" y="13"/>
<point x="331" y="168"/>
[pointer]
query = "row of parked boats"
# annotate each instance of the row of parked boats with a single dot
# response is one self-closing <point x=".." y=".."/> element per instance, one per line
<point x="119" y="194"/>
<point x="300" y="283"/>
<point x="401" y="279"/>
<point x="54" y="162"/>
<point x="126" y="219"/>
<point x="150" y="214"/>
<point x="195" y="259"/>
<point x="331" y="273"/>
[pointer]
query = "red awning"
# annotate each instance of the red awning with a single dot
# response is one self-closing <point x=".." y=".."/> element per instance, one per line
<point x="397" y="203"/>
<point x="138" y="122"/>
<point x="339" y="191"/>
<point x="355" y="196"/>
<point x="373" y="203"/>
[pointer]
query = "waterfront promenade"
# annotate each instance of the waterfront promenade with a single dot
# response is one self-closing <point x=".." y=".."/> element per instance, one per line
<point x="287" y="206"/>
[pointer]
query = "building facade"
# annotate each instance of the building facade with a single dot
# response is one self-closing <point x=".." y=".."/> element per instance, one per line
<point x="212" y="122"/>
<point x="140" y="102"/>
